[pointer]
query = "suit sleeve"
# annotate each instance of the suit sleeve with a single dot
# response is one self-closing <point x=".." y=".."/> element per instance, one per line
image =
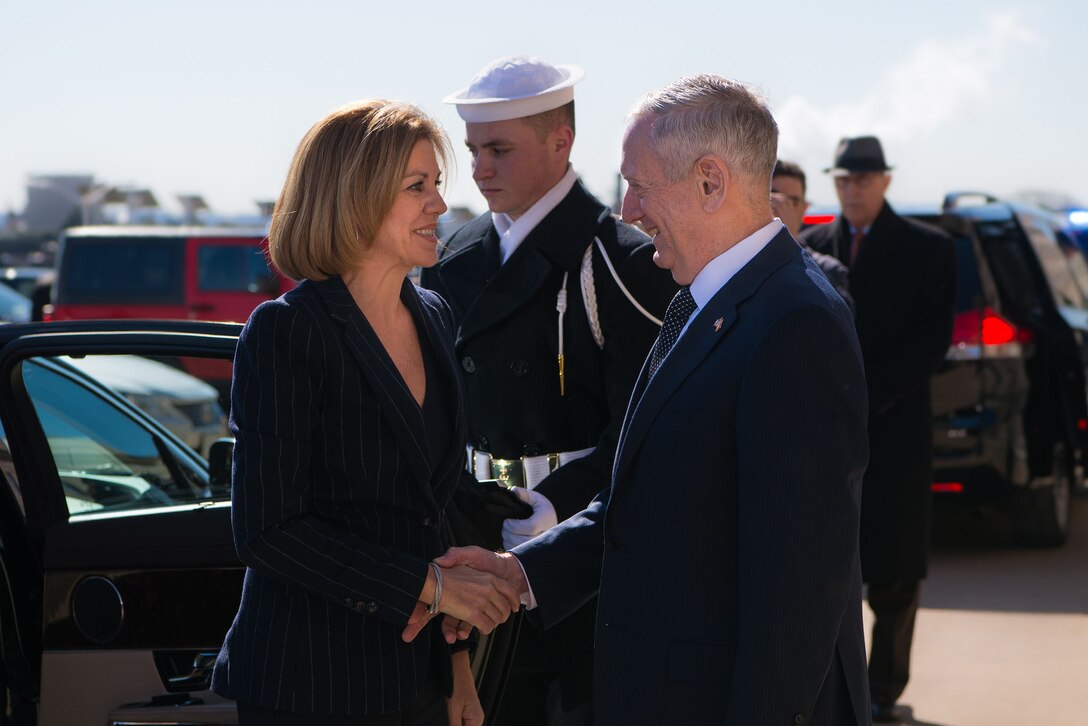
<point x="801" y="453"/>
<point x="563" y="565"/>
<point x="918" y="352"/>
<point x="276" y="419"/>
<point x="628" y="336"/>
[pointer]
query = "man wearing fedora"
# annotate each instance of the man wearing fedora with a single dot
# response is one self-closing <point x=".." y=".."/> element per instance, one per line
<point x="557" y="305"/>
<point x="902" y="278"/>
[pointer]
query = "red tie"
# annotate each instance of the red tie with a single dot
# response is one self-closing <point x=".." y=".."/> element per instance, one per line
<point x="855" y="245"/>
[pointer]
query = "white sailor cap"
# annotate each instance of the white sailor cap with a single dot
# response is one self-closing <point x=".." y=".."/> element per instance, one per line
<point x="515" y="87"/>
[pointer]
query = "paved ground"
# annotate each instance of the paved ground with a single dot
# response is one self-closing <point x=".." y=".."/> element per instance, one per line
<point x="1002" y="637"/>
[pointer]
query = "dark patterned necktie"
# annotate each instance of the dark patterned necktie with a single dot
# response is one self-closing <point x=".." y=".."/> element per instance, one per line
<point x="680" y="309"/>
<point x="855" y="246"/>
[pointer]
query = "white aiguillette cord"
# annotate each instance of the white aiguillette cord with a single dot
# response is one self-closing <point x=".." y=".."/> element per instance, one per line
<point x="589" y="298"/>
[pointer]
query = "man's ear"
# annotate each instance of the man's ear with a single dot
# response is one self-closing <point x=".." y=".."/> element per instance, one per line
<point x="562" y="139"/>
<point x="712" y="175"/>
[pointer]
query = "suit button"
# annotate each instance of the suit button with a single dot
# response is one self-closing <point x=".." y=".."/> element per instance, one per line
<point x="428" y="523"/>
<point x="799" y="719"/>
<point x="482" y="444"/>
<point x="349" y="602"/>
<point x="468" y="364"/>
<point x="520" y="367"/>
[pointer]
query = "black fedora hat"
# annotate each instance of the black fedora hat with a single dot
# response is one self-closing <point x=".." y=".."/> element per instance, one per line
<point x="859" y="154"/>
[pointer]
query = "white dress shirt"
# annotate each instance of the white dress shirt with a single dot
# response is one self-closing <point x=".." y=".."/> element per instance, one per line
<point x="720" y="270"/>
<point x="513" y="231"/>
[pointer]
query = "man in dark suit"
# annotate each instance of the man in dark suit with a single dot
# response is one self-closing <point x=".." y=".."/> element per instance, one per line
<point x="548" y="341"/>
<point x="902" y="277"/>
<point x="725" y="552"/>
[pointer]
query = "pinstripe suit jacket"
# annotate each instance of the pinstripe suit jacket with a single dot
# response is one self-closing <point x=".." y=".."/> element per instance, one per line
<point x="726" y="550"/>
<point x="336" y="507"/>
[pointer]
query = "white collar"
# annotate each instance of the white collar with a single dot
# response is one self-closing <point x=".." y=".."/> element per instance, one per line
<point x="720" y="270"/>
<point x="512" y="232"/>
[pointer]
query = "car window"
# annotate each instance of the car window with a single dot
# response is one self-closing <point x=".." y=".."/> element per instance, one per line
<point x="1074" y="255"/>
<point x="1003" y="246"/>
<point x="968" y="288"/>
<point x="233" y="268"/>
<point x="146" y="270"/>
<point x="107" y="458"/>
<point x="1054" y="262"/>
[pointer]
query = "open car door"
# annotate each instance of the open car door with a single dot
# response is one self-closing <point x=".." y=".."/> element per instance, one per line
<point x="120" y="576"/>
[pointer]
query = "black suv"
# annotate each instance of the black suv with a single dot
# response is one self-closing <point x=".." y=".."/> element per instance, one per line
<point x="1010" y="411"/>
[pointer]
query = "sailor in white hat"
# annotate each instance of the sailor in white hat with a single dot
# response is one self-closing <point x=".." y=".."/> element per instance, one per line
<point x="557" y="304"/>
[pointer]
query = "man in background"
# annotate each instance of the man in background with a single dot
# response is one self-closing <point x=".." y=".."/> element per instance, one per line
<point x="902" y="277"/>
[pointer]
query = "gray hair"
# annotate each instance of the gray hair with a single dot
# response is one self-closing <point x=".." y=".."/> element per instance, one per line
<point x="707" y="114"/>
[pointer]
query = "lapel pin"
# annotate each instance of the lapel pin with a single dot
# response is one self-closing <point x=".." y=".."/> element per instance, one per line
<point x="718" y="325"/>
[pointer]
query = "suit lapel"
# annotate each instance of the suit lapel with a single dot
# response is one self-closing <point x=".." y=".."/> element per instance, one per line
<point x="395" y="400"/>
<point x="709" y="327"/>
<point x="558" y="242"/>
<point x="441" y="341"/>
<point x="468" y="270"/>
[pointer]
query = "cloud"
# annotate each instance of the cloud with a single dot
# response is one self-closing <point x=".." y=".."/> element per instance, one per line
<point x="932" y="86"/>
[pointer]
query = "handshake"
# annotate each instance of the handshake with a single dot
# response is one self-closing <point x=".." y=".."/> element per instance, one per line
<point x="472" y="587"/>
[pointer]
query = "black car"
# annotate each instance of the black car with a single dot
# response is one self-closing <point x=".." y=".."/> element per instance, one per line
<point x="120" y="576"/>
<point x="1010" y="407"/>
<point x="1009" y="404"/>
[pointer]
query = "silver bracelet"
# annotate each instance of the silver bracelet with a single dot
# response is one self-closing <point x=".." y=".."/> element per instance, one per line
<point x="433" y="607"/>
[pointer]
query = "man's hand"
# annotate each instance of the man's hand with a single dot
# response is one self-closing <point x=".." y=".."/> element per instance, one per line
<point x="475" y="596"/>
<point x="543" y="518"/>
<point x="479" y="588"/>
<point x="504" y="566"/>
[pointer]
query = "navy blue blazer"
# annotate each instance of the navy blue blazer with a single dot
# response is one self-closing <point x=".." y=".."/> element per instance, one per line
<point x="336" y="507"/>
<point x="726" y="550"/>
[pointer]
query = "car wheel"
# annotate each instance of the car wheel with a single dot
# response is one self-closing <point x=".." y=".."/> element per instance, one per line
<point x="1040" y="513"/>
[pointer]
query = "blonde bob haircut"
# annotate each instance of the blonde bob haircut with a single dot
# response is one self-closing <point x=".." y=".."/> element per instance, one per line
<point x="343" y="180"/>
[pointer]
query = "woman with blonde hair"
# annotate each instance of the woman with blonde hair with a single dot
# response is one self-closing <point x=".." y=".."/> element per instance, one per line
<point x="349" y="423"/>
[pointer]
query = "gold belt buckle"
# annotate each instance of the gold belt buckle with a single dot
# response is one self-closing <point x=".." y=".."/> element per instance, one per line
<point x="509" y="472"/>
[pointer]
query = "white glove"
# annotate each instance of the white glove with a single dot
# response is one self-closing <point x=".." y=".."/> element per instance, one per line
<point x="543" y="518"/>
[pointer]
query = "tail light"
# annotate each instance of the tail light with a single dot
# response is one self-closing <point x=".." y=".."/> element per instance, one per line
<point x="946" y="487"/>
<point x="982" y="333"/>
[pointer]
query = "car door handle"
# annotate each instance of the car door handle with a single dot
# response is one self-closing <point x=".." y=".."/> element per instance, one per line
<point x="200" y="675"/>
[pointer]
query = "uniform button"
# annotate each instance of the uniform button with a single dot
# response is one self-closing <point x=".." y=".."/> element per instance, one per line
<point x="349" y="602"/>
<point x="372" y="607"/>
<point x="468" y="364"/>
<point x="530" y="450"/>
<point x="482" y="444"/>
<point x="428" y="523"/>
<point x="520" y="367"/>
<point x="799" y="719"/>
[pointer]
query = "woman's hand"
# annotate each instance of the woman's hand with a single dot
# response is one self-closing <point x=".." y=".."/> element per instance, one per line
<point x="463" y="706"/>
<point x="480" y="598"/>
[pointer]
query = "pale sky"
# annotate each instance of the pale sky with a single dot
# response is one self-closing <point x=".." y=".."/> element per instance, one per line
<point x="212" y="97"/>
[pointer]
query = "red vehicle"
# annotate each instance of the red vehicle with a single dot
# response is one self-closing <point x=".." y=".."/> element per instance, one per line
<point x="193" y="273"/>
<point x="166" y="273"/>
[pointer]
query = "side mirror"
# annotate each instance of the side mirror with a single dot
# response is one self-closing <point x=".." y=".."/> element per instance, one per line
<point x="220" y="459"/>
